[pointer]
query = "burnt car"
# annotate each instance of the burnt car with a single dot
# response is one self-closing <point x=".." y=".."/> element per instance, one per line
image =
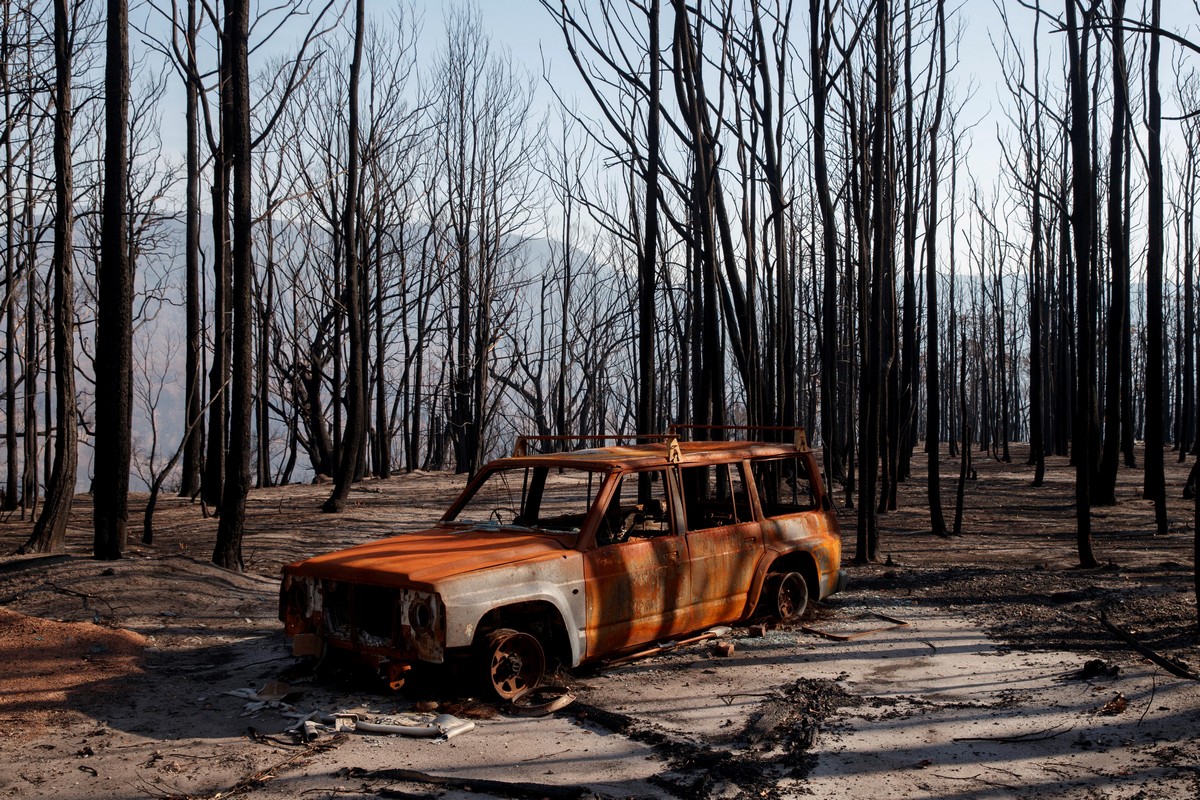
<point x="578" y="556"/>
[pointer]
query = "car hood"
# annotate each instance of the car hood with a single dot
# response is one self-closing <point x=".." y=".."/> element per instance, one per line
<point x="422" y="559"/>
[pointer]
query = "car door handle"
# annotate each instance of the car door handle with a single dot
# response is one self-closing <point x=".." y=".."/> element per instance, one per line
<point x="672" y="555"/>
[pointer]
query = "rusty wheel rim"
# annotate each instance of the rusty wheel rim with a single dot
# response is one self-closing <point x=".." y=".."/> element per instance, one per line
<point x="516" y="663"/>
<point x="791" y="597"/>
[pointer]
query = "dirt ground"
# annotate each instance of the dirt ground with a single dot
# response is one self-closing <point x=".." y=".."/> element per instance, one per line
<point x="115" y="677"/>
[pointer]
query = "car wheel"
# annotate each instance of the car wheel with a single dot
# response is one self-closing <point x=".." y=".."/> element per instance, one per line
<point x="788" y="598"/>
<point x="513" y="662"/>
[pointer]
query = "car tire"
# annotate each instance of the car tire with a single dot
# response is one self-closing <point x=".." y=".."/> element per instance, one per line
<point x="787" y="596"/>
<point x="512" y="662"/>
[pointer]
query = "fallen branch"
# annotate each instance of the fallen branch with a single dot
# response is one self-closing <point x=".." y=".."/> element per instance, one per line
<point x="728" y="699"/>
<point x="503" y="788"/>
<point x="1150" y="702"/>
<point x="849" y="637"/>
<point x="1171" y="665"/>
<point x="84" y="596"/>
<point x="1033" y="736"/>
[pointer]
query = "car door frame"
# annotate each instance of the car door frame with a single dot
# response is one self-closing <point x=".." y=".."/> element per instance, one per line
<point x="637" y="591"/>
<point x="739" y="544"/>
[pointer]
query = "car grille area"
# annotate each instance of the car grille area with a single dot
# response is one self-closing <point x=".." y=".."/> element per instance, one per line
<point x="385" y="621"/>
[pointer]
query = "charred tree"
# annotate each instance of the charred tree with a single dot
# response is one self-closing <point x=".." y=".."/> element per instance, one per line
<point x="872" y="372"/>
<point x="1118" y="259"/>
<point x="213" y="476"/>
<point x="356" y="399"/>
<point x="964" y="470"/>
<point x="909" y="366"/>
<point x="937" y="519"/>
<point x="114" y="318"/>
<point x="829" y="335"/>
<point x="1189" y="408"/>
<point x="12" y="459"/>
<point x="1037" y="300"/>
<point x="1082" y="188"/>
<point x="228" y="550"/>
<point x="49" y="533"/>
<point x="648" y="257"/>
<point x="1155" y="483"/>
<point x="193" y="463"/>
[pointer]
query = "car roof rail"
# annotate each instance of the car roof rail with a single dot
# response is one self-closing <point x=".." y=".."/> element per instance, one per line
<point x="521" y="448"/>
<point x="799" y="436"/>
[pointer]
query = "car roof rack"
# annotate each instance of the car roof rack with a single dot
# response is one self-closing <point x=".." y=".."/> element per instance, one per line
<point x="799" y="436"/>
<point x="521" y="448"/>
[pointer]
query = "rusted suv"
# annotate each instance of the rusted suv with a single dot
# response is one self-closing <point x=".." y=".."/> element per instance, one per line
<point x="577" y="556"/>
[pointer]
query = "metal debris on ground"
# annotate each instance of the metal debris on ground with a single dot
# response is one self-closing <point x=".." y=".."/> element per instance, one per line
<point x="541" y="701"/>
<point x="662" y="647"/>
<point x="438" y="728"/>
<point x="273" y="694"/>
<point x="846" y="637"/>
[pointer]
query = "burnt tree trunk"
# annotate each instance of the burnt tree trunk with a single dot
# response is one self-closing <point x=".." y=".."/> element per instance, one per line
<point x="1037" y="443"/>
<point x="1188" y="408"/>
<point x="189" y="482"/>
<point x="114" y="318"/>
<point x="1118" y="257"/>
<point x="1155" y="483"/>
<point x="648" y="258"/>
<point x="12" y="459"/>
<point x="228" y="550"/>
<point x="829" y="333"/>
<point x="356" y="405"/>
<point x="937" y="519"/>
<point x="964" y="470"/>
<point x="213" y="477"/>
<point x="1081" y="221"/>
<point x="909" y="366"/>
<point x="873" y="373"/>
<point x="49" y="533"/>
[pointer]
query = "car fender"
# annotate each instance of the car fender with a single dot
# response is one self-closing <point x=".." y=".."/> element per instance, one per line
<point x="557" y="580"/>
<point x="814" y="533"/>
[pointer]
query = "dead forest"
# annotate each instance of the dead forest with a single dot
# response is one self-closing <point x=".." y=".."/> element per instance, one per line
<point x="381" y="250"/>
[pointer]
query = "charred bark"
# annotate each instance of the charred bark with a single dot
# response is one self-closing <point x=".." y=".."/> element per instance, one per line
<point x="114" y="318"/>
<point x="49" y="533"/>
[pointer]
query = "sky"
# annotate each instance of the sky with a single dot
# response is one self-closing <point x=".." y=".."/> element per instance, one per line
<point x="533" y="37"/>
<point x="530" y="34"/>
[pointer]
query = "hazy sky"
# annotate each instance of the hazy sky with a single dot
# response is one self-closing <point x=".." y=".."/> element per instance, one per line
<point x="527" y="29"/>
<point x="532" y="37"/>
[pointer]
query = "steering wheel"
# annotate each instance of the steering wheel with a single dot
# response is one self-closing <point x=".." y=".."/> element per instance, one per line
<point x="499" y="512"/>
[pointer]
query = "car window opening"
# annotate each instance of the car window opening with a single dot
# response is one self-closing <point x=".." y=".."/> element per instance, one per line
<point x="784" y="486"/>
<point x="555" y="501"/>
<point x="646" y="518"/>
<point x="715" y="496"/>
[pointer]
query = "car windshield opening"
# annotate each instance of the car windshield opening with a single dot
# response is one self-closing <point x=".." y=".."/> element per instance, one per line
<point x="547" y="499"/>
